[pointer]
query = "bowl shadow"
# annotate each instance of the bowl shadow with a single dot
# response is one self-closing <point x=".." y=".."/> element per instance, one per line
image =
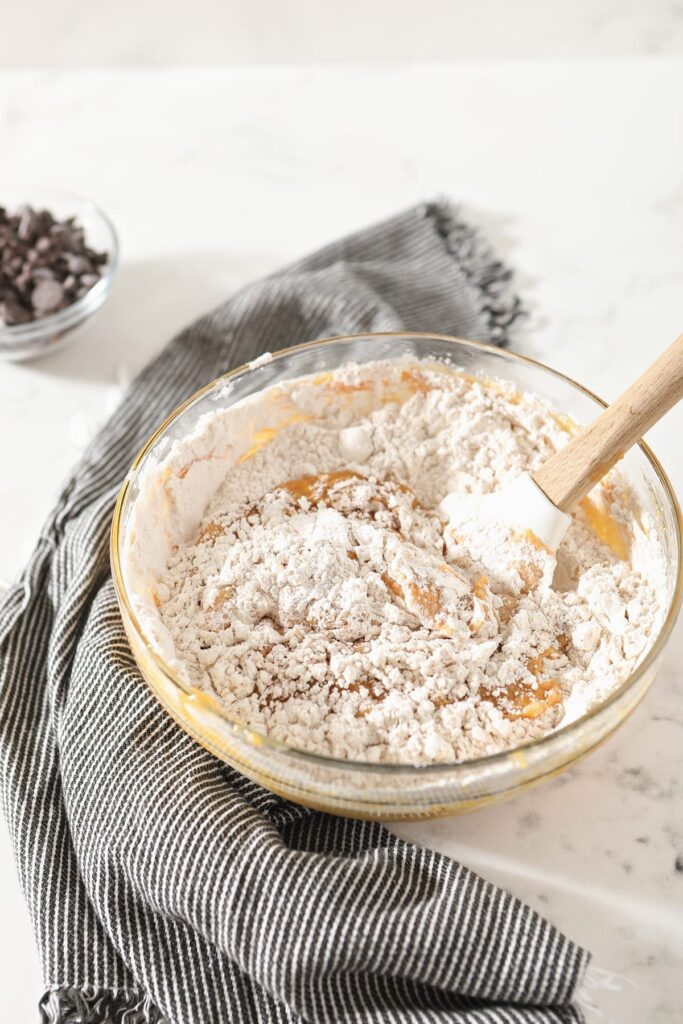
<point x="150" y="301"/>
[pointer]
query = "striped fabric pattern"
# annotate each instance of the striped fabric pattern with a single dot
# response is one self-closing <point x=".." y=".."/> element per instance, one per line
<point x="163" y="886"/>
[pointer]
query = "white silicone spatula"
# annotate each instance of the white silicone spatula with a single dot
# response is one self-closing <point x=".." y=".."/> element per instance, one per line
<point x="541" y="501"/>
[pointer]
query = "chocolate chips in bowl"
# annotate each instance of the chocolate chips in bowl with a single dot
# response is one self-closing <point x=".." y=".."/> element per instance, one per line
<point x="58" y="255"/>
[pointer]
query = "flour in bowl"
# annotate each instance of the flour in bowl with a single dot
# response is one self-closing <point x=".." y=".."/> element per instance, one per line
<point x="327" y="604"/>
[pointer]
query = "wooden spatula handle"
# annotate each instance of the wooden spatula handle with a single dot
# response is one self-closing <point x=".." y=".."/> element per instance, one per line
<point x="569" y="475"/>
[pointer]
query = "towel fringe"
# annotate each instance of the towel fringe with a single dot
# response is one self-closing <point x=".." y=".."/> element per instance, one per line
<point x="490" y="276"/>
<point x="68" y="1005"/>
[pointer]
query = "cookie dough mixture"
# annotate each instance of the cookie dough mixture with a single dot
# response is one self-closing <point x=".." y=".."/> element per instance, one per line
<point x="328" y="605"/>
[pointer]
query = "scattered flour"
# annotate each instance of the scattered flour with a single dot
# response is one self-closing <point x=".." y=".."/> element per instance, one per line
<point x="328" y="605"/>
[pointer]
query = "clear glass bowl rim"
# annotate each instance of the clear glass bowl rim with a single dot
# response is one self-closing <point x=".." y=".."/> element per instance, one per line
<point x="63" y="319"/>
<point x="368" y="766"/>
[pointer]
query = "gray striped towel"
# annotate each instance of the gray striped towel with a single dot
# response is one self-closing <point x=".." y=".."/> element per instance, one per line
<point x="162" y="885"/>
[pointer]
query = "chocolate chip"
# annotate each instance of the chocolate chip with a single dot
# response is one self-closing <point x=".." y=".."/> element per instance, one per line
<point x="47" y="296"/>
<point x="12" y="312"/>
<point x="27" y="220"/>
<point x="23" y="281"/>
<point x="78" y="265"/>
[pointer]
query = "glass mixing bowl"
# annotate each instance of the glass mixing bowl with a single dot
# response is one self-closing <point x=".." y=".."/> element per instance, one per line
<point x="381" y="791"/>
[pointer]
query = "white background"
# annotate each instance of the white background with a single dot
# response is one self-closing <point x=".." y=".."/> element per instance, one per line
<point x="572" y="166"/>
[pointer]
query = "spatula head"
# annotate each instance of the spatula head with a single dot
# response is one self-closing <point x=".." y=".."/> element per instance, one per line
<point x="521" y="505"/>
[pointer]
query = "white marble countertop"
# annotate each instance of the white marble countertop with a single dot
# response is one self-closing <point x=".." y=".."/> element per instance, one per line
<point x="574" y="169"/>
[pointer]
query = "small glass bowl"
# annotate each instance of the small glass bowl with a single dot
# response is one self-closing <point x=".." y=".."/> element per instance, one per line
<point x="384" y="791"/>
<point x="47" y="334"/>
